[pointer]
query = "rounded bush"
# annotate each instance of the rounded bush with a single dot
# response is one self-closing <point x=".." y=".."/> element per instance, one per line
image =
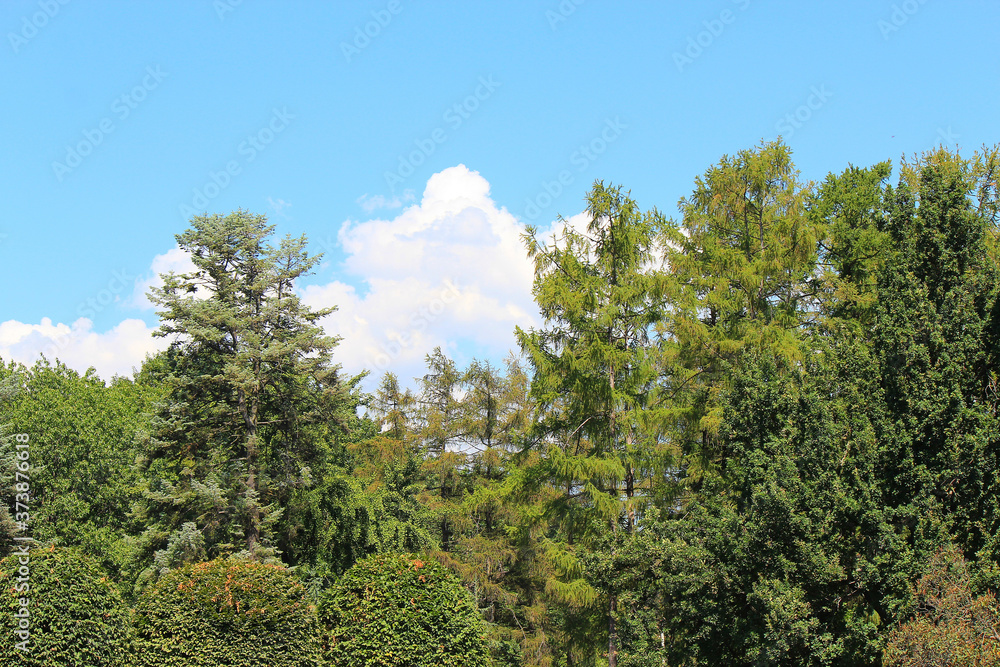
<point x="61" y="607"/>
<point x="400" y="610"/>
<point x="226" y="612"/>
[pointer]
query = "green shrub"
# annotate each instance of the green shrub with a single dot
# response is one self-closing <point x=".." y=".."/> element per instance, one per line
<point x="399" y="610"/>
<point x="76" y="615"/>
<point x="226" y="612"/>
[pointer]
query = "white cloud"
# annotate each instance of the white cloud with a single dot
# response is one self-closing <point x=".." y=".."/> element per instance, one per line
<point x="279" y="206"/>
<point x="449" y="271"/>
<point x="114" y="352"/>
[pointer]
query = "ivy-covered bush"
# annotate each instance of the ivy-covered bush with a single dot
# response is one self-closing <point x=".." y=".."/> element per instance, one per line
<point x="401" y="610"/>
<point x="226" y="612"/>
<point x="75" y="614"/>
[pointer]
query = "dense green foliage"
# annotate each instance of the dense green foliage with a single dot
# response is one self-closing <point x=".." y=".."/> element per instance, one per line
<point x="593" y="367"/>
<point x="400" y="610"/>
<point x="82" y="452"/>
<point x="765" y="432"/>
<point x="9" y="465"/>
<point x="75" y="612"/>
<point x="226" y="612"/>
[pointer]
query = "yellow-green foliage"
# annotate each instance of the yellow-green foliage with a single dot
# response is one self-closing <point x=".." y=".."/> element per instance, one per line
<point x="76" y="615"/>
<point x="227" y="612"/>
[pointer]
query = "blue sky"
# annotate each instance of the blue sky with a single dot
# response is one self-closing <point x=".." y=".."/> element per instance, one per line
<point x="412" y="141"/>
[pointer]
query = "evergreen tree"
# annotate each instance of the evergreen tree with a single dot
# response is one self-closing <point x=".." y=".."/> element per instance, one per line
<point x="394" y="408"/>
<point x="791" y="557"/>
<point x="255" y="405"/>
<point x="937" y="329"/>
<point x="444" y="460"/>
<point x="494" y="413"/>
<point x="851" y="210"/>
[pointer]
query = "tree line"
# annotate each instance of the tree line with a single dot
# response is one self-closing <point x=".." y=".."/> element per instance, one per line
<point x="762" y="432"/>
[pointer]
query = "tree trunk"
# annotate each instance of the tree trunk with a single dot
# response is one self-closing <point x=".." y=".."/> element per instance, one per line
<point x="612" y="632"/>
<point x="249" y="414"/>
<point x="445" y="530"/>
<point x="629" y="485"/>
<point x="253" y="495"/>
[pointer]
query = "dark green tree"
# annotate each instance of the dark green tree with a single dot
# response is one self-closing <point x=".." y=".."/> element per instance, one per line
<point x="255" y="405"/>
<point x="937" y="330"/>
<point x="790" y="557"/>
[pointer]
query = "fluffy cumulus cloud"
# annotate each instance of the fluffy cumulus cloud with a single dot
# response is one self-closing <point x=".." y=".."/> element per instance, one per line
<point x="448" y="271"/>
<point x="114" y="352"/>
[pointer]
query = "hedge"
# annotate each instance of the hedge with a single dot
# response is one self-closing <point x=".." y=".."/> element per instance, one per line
<point x="75" y="615"/>
<point x="226" y="612"/>
<point x="403" y="611"/>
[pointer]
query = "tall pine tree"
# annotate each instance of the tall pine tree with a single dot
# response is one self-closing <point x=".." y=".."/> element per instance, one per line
<point x="255" y="403"/>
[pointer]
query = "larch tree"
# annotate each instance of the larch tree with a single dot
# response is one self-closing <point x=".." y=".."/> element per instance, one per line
<point x="742" y="264"/>
<point x="394" y="408"/>
<point x="494" y="413"/>
<point x="444" y="461"/>
<point x="600" y="294"/>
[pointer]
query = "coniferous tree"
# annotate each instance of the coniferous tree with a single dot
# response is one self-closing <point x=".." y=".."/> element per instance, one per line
<point x="444" y="460"/>
<point x="851" y="210"/>
<point x="937" y="332"/>
<point x="593" y="373"/>
<point x="394" y="408"/>
<point x="494" y="414"/>
<point x="255" y="404"/>
<point x="742" y="263"/>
